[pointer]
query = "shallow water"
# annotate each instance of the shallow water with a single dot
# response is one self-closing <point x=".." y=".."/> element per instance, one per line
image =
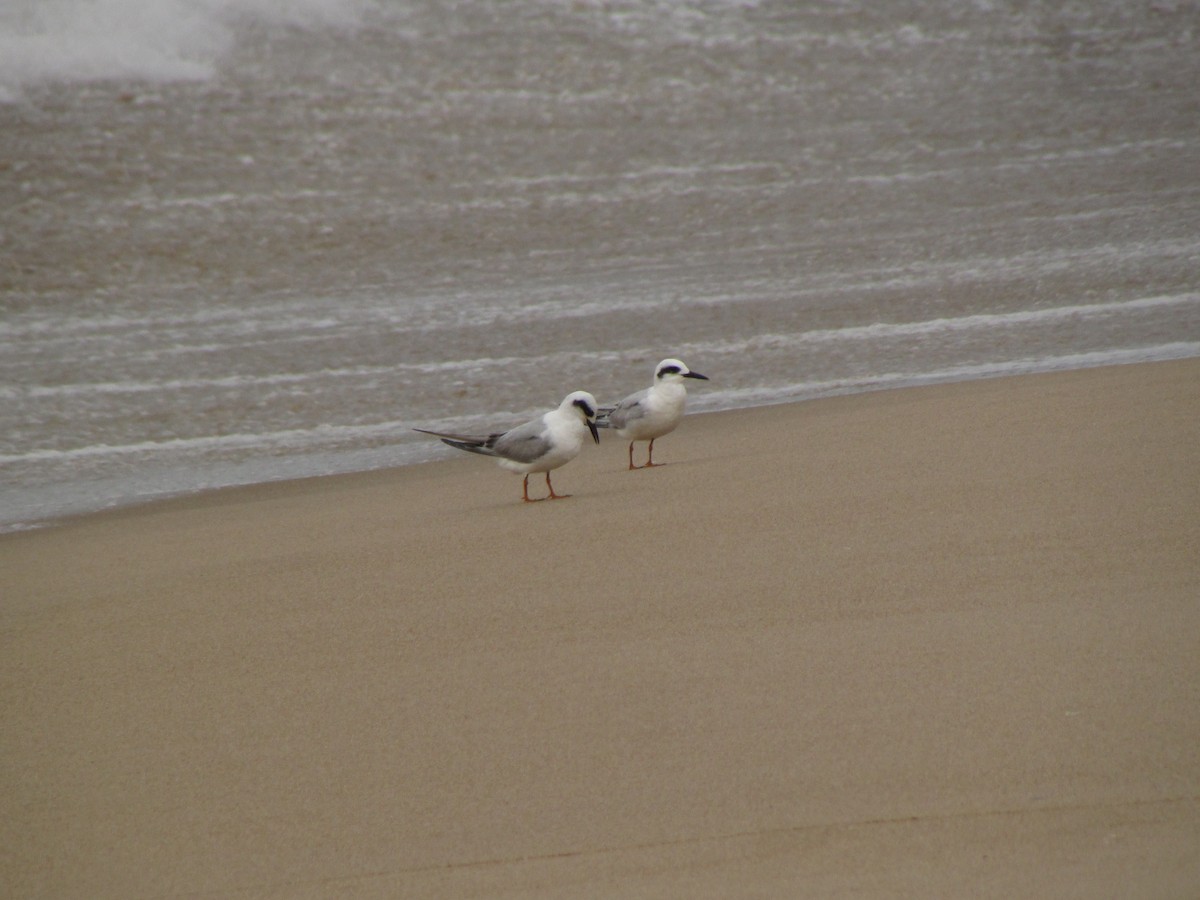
<point x="245" y="244"/>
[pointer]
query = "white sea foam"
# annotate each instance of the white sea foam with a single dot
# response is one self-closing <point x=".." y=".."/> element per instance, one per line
<point x="302" y="440"/>
<point x="875" y="332"/>
<point x="255" y="381"/>
<point x="979" y="321"/>
<point x="773" y="394"/>
<point x="287" y="438"/>
<point x="326" y="437"/>
<point x="146" y="40"/>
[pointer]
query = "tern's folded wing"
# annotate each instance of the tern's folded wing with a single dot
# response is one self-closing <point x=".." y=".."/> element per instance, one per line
<point x="627" y="410"/>
<point x="524" y="444"/>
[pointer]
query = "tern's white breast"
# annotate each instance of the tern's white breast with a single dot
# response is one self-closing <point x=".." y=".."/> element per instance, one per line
<point x="664" y="405"/>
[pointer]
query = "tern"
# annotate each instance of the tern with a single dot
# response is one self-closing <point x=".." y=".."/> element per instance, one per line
<point x="545" y="443"/>
<point x="649" y="414"/>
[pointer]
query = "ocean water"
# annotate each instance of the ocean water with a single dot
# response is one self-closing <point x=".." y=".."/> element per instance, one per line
<point x="245" y="240"/>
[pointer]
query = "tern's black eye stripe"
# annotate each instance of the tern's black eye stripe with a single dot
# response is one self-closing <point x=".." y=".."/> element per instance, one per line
<point x="668" y="370"/>
<point x="587" y="410"/>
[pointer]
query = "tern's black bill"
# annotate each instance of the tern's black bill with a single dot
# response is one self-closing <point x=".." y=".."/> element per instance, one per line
<point x="594" y="431"/>
<point x="695" y="375"/>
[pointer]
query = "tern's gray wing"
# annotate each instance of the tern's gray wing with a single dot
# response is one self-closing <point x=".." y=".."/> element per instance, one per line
<point x="524" y="444"/>
<point x="628" y="410"/>
<point x="473" y="443"/>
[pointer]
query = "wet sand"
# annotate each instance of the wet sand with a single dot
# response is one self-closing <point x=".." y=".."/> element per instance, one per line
<point x="933" y="642"/>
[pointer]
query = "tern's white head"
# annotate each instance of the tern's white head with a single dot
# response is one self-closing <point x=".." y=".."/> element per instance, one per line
<point x="584" y="404"/>
<point x="674" y="371"/>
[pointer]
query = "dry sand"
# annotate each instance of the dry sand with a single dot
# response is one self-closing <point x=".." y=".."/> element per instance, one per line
<point x="931" y="642"/>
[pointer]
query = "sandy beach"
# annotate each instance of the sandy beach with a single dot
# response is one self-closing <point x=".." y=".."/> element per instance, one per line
<point x="941" y="641"/>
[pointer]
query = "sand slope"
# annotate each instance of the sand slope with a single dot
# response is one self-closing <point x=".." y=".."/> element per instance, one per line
<point x="932" y="642"/>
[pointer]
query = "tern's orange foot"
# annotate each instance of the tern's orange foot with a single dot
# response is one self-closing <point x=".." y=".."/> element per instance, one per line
<point x="550" y="488"/>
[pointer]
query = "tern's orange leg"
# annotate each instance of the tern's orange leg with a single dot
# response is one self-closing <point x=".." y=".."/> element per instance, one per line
<point x="554" y="496"/>
<point x="649" y="464"/>
<point x="525" y="492"/>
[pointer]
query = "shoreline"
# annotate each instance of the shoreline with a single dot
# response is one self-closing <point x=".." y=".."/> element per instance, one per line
<point x="933" y="640"/>
<point x="881" y="384"/>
